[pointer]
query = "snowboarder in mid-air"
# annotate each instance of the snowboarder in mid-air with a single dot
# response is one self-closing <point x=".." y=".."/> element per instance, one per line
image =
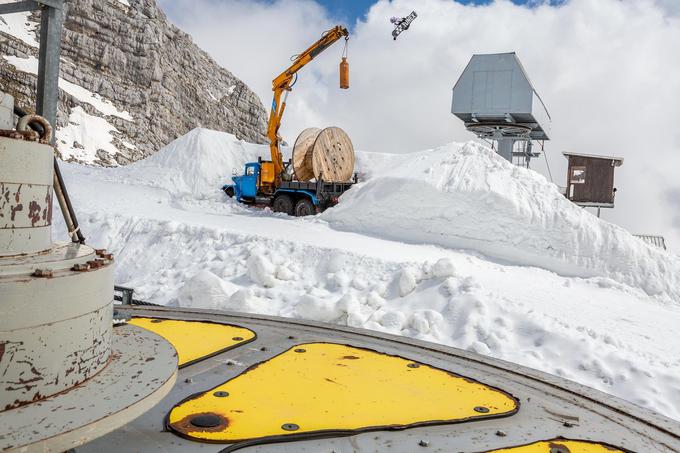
<point x="402" y="23"/>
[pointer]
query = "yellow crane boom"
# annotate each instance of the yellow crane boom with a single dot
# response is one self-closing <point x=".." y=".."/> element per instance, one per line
<point x="283" y="83"/>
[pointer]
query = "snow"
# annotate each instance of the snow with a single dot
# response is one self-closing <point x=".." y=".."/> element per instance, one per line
<point x="30" y="65"/>
<point x="91" y="133"/>
<point x="195" y="165"/>
<point x="467" y="197"/>
<point x="18" y="25"/>
<point x="541" y="301"/>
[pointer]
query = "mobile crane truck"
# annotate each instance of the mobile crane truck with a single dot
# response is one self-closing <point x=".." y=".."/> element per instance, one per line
<point x="270" y="182"/>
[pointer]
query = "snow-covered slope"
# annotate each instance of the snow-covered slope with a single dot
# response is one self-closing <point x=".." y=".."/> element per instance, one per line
<point x="466" y="196"/>
<point x="179" y="241"/>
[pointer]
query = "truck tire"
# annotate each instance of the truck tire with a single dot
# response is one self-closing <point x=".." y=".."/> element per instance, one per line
<point x="229" y="191"/>
<point x="283" y="203"/>
<point x="304" y="207"/>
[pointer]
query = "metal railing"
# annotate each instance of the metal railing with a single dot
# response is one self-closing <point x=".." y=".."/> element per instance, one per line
<point x="125" y="296"/>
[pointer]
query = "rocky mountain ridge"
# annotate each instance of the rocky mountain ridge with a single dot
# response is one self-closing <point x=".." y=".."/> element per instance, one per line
<point x="130" y="82"/>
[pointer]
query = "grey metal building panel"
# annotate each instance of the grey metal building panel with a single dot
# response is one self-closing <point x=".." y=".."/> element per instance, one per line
<point x="495" y="87"/>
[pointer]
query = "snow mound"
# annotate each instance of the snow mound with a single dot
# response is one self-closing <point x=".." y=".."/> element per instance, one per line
<point x="468" y="197"/>
<point x="206" y="290"/>
<point x="196" y="164"/>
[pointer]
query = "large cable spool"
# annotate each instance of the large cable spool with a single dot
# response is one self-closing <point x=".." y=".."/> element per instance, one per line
<point x="326" y="155"/>
<point x="304" y="170"/>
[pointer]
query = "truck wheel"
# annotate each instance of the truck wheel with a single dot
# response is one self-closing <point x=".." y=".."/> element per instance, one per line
<point x="283" y="203"/>
<point x="304" y="207"/>
<point x="229" y="191"/>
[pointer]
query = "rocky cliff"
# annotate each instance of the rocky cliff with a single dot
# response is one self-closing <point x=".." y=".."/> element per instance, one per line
<point x="131" y="82"/>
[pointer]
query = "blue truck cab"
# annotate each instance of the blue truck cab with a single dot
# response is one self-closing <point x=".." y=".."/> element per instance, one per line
<point x="244" y="187"/>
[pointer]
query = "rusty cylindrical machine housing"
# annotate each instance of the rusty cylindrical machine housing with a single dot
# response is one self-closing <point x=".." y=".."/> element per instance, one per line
<point x="26" y="176"/>
<point x="56" y="300"/>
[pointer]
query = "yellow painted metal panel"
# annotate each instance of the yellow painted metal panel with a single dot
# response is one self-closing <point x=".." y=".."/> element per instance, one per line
<point x="196" y="340"/>
<point x="336" y="388"/>
<point x="267" y="172"/>
<point x="561" y="446"/>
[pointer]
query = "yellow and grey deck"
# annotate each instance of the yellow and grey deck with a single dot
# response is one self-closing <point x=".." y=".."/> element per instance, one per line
<point x="329" y="387"/>
<point x="195" y="341"/>
<point x="550" y="409"/>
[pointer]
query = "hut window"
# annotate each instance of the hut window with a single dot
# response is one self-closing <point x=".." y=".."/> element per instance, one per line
<point x="578" y="175"/>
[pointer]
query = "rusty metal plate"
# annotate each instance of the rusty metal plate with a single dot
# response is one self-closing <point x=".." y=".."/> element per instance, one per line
<point x="561" y="446"/>
<point x="141" y="371"/>
<point x="25" y="205"/>
<point x="317" y="389"/>
<point x="196" y="340"/>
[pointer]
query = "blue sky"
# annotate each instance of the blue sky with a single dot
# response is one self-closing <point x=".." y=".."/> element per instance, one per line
<point x="352" y="10"/>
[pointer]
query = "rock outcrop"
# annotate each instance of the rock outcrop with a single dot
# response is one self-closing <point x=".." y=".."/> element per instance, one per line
<point x="131" y="82"/>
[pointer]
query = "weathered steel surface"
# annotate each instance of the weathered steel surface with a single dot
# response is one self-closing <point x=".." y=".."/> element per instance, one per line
<point x="316" y="387"/>
<point x="550" y="407"/>
<point x="25" y="196"/>
<point x="196" y="341"/>
<point x="51" y="358"/>
<point x="141" y="371"/>
<point x="25" y="205"/>
<point x="561" y="446"/>
<point x="55" y="323"/>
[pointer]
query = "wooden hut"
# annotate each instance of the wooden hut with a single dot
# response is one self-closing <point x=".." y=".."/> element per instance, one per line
<point x="590" y="179"/>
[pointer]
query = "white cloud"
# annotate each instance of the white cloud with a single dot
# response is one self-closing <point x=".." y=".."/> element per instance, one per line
<point x="606" y="69"/>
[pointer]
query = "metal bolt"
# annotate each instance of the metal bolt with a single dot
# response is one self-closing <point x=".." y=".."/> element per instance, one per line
<point x="300" y="350"/>
<point x="102" y="253"/>
<point x="413" y="365"/>
<point x="290" y="427"/>
<point x="263" y="348"/>
<point x="206" y="421"/>
<point x="481" y="409"/>
<point x="568" y="425"/>
<point x="230" y="363"/>
<point x="42" y="273"/>
<point x="500" y="433"/>
<point x="237" y="338"/>
<point x="155" y="321"/>
<point x="423" y="443"/>
<point x="290" y="337"/>
<point x="221" y="394"/>
<point x="81" y="267"/>
<point x="188" y="380"/>
<point x="559" y="449"/>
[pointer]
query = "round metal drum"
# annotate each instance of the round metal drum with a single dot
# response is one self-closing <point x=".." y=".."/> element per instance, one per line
<point x="68" y="292"/>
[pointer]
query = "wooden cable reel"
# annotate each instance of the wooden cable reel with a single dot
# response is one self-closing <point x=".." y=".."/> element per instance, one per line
<point x="326" y="155"/>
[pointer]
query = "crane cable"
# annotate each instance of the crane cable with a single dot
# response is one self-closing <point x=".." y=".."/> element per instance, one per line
<point x="547" y="164"/>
